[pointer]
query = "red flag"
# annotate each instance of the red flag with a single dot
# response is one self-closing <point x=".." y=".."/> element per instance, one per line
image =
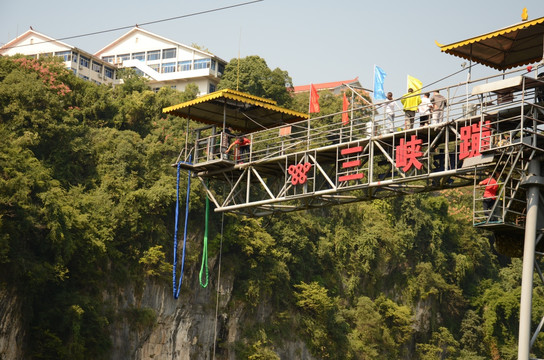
<point x="345" y="106"/>
<point x="314" y="100"/>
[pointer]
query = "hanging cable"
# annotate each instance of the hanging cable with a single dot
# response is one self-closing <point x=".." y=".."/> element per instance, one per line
<point x="145" y="23"/>
<point x="204" y="266"/>
<point x="177" y="289"/>
<point x="218" y="285"/>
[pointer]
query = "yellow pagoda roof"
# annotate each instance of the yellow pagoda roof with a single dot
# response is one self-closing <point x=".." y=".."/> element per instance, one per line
<point x="241" y="111"/>
<point x="506" y="48"/>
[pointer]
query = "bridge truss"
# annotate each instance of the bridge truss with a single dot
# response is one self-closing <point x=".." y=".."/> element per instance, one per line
<point x="323" y="161"/>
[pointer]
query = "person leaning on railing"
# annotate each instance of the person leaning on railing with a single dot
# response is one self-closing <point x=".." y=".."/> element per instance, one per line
<point x="243" y="147"/>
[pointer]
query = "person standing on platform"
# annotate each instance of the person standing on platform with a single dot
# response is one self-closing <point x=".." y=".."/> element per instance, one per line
<point x="226" y="136"/>
<point x="490" y="192"/>
<point x="439" y="104"/>
<point x="410" y="103"/>
<point x="390" y="107"/>
<point x="424" y="110"/>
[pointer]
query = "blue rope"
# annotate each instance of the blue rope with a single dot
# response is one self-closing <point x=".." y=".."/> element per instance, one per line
<point x="177" y="289"/>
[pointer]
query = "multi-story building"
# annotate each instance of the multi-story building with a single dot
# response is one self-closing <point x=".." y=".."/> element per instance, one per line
<point x="164" y="62"/>
<point x="82" y="63"/>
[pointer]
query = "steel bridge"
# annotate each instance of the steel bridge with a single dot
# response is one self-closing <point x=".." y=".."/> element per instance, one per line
<point x="320" y="161"/>
<point x="496" y="127"/>
<point x="490" y="125"/>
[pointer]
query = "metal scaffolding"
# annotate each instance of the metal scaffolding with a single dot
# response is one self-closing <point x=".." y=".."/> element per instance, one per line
<point x="497" y="127"/>
<point x="312" y="163"/>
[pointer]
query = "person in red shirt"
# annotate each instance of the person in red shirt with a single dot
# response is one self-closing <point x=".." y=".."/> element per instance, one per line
<point x="243" y="147"/>
<point x="490" y="192"/>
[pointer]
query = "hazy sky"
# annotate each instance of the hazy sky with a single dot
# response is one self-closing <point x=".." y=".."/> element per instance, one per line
<point x="314" y="41"/>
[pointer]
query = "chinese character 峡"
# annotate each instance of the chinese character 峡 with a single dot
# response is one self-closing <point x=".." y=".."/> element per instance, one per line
<point x="407" y="154"/>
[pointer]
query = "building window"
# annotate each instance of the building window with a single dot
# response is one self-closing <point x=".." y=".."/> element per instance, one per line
<point x="97" y="67"/>
<point x="156" y="89"/>
<point x="84" y="61"/>
<point x="173" y="87"/>
<point x="139" y="56"/>
<point x="168" y="67"/>
<point x="211" y="88"/>
<point x="213" y="64"/>
<point x="108" y="72"/>
<point x="221" y="69"/>
<point x="202" y="64"/>
<point x="184" y="65"/>
<point x="169" y="53"/>
<point x="155" y="67"/>
<point x="108" y="59"/>
<point x="153" y="55"/>
<point x="75" y="71"/>
<point x="123" y="57"/>
<point x="74" y="57"/>
<point x="84" y="77"/>
<point x="66" y="55"/>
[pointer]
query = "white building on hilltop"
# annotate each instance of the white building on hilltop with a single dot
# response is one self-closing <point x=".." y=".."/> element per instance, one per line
<point x="83" y="64"/>
<point x="164" y="62"/>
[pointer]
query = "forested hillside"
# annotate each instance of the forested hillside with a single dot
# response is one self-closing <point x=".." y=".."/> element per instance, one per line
<point x="87" y="199"/>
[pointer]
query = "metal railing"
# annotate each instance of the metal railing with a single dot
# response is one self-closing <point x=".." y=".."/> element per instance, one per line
<point x="369" y="121"/>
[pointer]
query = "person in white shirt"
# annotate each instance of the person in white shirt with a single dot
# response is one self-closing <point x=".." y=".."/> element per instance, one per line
<point x="390" y="107"/>
<point x="424" y="110"/>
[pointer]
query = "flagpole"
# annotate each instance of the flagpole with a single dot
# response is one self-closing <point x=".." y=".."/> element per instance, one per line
<point x="310" y="100"/>
<point x="374" y="82"/>
<point x="309" y="108"/>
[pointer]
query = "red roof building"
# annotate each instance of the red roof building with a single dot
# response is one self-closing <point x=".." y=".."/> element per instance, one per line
<point x="336" y="86"/>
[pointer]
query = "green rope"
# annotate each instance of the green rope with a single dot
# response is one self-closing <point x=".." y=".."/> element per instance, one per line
<point x="205" y="246"/>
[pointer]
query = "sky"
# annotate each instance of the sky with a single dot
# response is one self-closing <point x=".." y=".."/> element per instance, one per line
<point x="314" y="41"/>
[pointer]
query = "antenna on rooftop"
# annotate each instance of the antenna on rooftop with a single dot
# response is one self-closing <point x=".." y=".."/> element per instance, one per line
<point x="238" y="70"/>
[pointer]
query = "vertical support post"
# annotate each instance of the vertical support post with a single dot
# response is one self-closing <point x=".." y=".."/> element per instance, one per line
<point x="308" y="136"/>
<point x="533" y="194"/>
<point x="187" y="137"/>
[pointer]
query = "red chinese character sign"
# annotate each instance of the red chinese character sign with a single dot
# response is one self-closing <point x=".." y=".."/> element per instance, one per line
<point x="351" y="165"/>
<point x="407" y="154"/>
<point x="298" y="173"/>
<point x="472" y="141"/>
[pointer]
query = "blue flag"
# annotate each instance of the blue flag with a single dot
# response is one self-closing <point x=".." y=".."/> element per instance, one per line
<point x="379" y="77"/>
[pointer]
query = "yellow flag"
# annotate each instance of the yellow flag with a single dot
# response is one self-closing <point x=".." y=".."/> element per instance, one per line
<point x="415" y="84"/>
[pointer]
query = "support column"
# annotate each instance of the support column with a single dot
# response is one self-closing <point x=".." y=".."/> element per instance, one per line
<point x="533" y="192"/>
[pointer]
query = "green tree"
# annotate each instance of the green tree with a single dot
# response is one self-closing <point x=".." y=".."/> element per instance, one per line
<point x="322" y="324"/>
<point x="252" y="75"/>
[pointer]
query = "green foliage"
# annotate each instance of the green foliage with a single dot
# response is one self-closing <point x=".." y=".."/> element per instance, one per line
<point x="261" y="348"/>
<point x="142" y="318"/>
<point x="85" y="198"/>
<point x="155" y="262"/>
<point x="322" y="325"/>
<point x="86" y="206"/>
<point x="442" y="346"/>
<point x="252" y="75"/>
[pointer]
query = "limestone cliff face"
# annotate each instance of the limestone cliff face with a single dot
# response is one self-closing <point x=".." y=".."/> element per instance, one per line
<point x="185" y="329"/>
<point x="12" y="332"/>
<point x="150" y="324"/>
